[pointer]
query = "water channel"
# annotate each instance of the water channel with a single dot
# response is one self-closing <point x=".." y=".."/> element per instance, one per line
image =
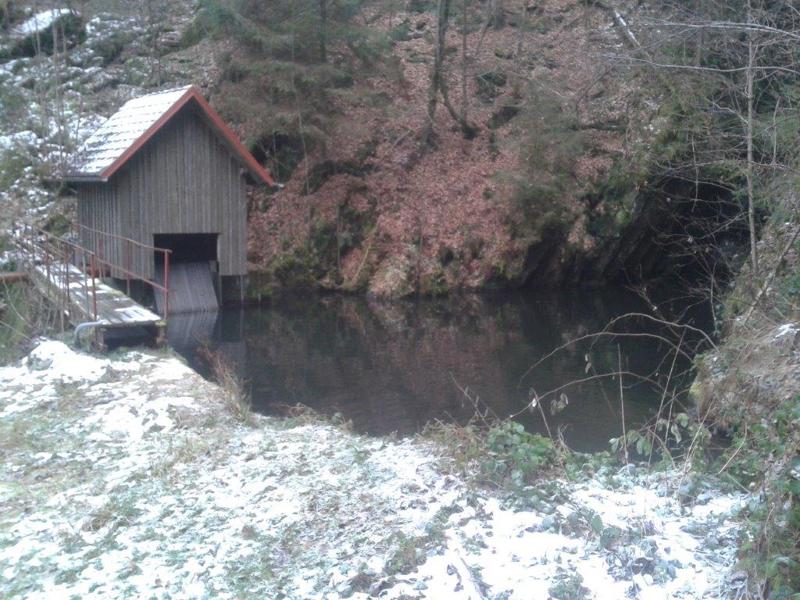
<point x="395" y="367"/>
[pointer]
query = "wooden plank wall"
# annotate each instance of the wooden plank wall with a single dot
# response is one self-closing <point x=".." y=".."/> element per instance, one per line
<point x="97" y="209"/>
<point x="184" y="180"/>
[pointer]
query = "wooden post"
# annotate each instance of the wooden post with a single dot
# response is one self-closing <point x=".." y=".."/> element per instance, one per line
<point x="101" y="247"/>
<point x="127" y="248"/>
<point x="94" y="287"/>
<point x="85" y="279"/>
<point x="166" y="284"/>
<point x="66" y="276"/>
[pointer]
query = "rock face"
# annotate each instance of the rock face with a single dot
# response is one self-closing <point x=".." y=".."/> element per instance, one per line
<point x="755" y="371"/>
<point x="394" y="277"/>
<point x="46" y="30"/>
<point x="547" y="192"/>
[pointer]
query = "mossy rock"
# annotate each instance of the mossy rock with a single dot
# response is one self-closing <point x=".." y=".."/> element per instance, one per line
<point x="401" y="32"/>
<point x="393" y="277"/>
<point x="489" y="83"/>
<point x="503" y="116"/>
<point x="434" y="284"/>
<point x="109" y="48"/>
<point x="293" y="271"/>
<point x="70" y="25"/>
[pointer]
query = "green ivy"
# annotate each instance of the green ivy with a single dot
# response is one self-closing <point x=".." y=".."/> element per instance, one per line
<point x="766" y="457"/>
<point x="514" y="454"/>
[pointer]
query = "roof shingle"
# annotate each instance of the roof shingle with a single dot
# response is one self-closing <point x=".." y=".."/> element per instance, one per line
<point x="114" y="142"/>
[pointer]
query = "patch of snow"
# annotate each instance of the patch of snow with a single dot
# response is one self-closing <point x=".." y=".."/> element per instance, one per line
<point x="41" y="21"/>
<point x="787" y="329"/>
<point x="123" y="129"/>
<point x="19" y="138"/>
<point x="62" y="363"/>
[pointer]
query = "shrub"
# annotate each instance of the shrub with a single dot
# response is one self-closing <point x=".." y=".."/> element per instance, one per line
<point x="23" y="316"/>
<point x="766" y="456"/>
<point x="288" y="68"/>
<point x="515" y="454"/>
<point x="501" y="454"/>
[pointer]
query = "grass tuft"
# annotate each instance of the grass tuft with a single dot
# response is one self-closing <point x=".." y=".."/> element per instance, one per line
<point x="234" y="392"/>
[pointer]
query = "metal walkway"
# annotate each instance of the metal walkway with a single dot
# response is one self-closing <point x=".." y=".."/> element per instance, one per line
<point x="70" y="277"/>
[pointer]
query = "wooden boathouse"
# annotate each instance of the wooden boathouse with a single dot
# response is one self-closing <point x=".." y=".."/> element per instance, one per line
<point x="165" y="171"/>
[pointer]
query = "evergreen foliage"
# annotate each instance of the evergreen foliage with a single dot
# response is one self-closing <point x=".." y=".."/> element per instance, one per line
<point x="290" y="62"/>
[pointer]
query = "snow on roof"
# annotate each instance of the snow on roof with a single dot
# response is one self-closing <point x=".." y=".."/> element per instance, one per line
<point x="110" y="147"/>
<point x="122" y="130"/>
<point x="40" y="21"/>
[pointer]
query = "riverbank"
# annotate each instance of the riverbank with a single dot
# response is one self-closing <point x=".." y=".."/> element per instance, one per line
<point x="130" y="475"/>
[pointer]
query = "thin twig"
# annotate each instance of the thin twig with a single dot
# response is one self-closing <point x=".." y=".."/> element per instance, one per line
<point x="661" y="404"/>
<point x="736" y="452"/>
<point x="622" y="404"/>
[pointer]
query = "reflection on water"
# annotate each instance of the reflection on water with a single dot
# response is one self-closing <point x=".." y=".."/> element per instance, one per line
<point x="395" y="367"/>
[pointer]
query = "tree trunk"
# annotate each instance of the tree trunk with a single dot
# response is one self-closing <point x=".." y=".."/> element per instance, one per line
<point x="468" y="129"/>
<point x="497" y="13"/>
<point x="6" y="7"/>
<point x="438" y="83"/>
<point x="154" y="18"/>
<point x="464" y="98"/>
<point x="443" y="15"/>
<point x="323" y="27"/>
<point x="749" y="94"/>
<point x="698" y="42"/>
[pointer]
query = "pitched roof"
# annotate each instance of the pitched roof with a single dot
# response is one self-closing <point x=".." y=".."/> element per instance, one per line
<point x="121" y="136"/>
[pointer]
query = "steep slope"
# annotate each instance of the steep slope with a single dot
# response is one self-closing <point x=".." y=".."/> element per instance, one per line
<point x="557" y="185"/>
<point x="535" y="192"/>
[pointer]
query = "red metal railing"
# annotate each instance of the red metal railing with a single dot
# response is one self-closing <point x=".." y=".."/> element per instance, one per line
<point x="64" y="261"/>
<point x="56" y="257"/>
<point x="127" y="246"/>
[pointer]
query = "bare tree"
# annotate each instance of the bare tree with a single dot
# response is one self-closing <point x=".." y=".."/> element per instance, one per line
<point x="323" y="27"/>
<point x="442" y="18"/>
<point x="743" y="59"/>
<point x="438" y="83"/>
<point x="749" y="97"/>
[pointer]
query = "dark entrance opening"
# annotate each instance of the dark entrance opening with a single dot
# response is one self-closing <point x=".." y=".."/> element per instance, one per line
<point x="193" y="272"/>
<point x="187" y="247"/>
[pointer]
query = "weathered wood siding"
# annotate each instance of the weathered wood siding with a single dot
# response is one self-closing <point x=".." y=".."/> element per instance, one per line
<point x="184" y="180"/>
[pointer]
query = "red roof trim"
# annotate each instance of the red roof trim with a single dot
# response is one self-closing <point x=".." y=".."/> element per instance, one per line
<point x="193" y="93"/>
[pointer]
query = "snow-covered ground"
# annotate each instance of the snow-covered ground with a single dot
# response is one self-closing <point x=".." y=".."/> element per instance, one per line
<point x="50" y="104"/>
<point x="126" y="476"/>
<point x="41" y="21"/>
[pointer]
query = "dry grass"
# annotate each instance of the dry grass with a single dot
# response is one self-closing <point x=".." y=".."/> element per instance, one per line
<point x="234" y="391"/>
<point x="300" y="414"/>
<point x="180" y="451"/>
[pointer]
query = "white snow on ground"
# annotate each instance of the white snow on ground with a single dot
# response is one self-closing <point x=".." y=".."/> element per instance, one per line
<point x="48" y="104"/>
<point x="126" y="476"/>
<point x="785" y="330"/>
<point x="41" y="21"/>
<point x="23" y="138"/>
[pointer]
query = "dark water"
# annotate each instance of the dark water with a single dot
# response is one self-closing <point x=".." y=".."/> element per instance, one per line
<point x="395" y="367"/>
